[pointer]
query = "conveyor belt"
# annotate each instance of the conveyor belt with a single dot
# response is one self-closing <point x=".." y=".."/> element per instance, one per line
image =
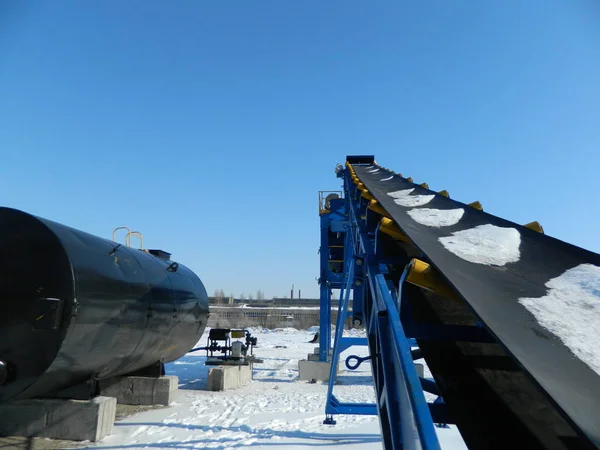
<point x="493" y="293"/>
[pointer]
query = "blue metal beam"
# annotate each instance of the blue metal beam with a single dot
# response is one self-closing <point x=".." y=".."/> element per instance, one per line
<point x="325" y="292"/>
<point x="405" y="416"/>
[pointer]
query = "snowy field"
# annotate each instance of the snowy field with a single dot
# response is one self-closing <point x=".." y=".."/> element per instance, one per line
<point x="275" y="411"/>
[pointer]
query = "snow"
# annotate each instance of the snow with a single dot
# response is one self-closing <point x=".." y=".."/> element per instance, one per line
<point x="413" y="200"/>
<point x="571" y="311"/>
<point x="246" y="306"/>
<point x="403" y="198"/>
<point x="485" y="244"/>
<point x="436" y="217"/>
<point x="387" y="179"/>
<point x="374" y="171"/>
<point x="401" y="193"/>
<point x="274" y="411"/>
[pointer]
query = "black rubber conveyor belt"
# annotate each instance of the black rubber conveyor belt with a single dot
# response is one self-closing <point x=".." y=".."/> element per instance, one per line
<point x="493" y="292"/>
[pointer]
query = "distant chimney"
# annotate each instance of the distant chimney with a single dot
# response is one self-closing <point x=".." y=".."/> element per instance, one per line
<point x="292" y="292"/>
<point x="299" y="294"/>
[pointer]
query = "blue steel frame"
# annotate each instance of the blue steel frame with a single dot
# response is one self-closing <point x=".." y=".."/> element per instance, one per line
<point x="333" y="221"/>
<point x="405" y="417"/>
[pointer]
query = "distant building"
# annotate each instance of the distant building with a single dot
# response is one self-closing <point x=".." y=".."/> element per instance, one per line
<point x="300" y="313"/>
<point x="269" y="303"/>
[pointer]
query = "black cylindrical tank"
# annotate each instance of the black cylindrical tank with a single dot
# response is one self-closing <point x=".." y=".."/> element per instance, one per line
<point x="74" y="307"/>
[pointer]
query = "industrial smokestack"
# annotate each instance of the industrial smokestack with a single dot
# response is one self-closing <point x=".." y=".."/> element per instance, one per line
<point x="292" y="292"/>
<point x="299" y="294"/>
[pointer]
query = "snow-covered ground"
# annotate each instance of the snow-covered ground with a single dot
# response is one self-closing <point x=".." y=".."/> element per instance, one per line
<point x="274" y="411"/>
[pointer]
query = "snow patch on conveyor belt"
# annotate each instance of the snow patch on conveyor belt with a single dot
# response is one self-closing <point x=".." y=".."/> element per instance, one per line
<point x="571" y="311"/>
<point x="485" y="244"/>
<point x="403" y="198"/>
<point x="401" y="193"/>
<point x="387" y="179"/>
<point x="436" y="217"/>
<point x="410" y="201"/>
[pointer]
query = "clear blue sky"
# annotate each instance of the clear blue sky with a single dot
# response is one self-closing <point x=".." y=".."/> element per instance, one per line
<point x="210" y="126"/>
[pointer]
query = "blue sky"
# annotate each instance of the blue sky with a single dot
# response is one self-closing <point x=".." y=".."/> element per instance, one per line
<point x="211" y="126"/>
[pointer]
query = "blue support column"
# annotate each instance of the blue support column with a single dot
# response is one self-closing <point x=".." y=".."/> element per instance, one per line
<point x="325" y="311"/>
<point x="333" y="227"/>
<point x="405" y="417"/>
<point x="339" y="328"/>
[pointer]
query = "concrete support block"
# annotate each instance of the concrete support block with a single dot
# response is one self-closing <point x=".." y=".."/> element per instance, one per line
<point x="73" y="420"/>
<point x="141" y="390"/>
<point x="420" y="370"/>
<point x="313" y="356"/>
<point x="222" y="378"/>
<point x="317" y="370"/>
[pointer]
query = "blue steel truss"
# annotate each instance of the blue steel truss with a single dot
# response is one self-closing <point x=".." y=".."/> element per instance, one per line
<point x="351" y="263"/>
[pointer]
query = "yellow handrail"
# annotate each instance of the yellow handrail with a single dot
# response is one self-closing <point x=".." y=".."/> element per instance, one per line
<point x="121" y="228"/>
<point x="137" y="234"/>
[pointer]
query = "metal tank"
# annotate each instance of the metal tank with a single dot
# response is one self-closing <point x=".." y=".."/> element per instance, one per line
<point x="75" y="307"/>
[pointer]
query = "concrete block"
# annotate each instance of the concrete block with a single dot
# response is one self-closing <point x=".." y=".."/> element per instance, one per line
<point x="420" y="369"/>
<point x="222" y="378"/>
<point x="74" y="420"/>
<point x="141" y="390"/>
<point x="317" y="370"/>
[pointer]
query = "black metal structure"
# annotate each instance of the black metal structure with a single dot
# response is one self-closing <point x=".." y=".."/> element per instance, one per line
<point x="76" y="307"/>
<point x="513" y="382"/>
<point x="233" y="353"/>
